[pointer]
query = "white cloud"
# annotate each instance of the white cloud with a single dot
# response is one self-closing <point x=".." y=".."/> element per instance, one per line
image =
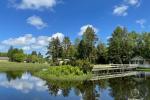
<point x="25" y="84"/>
<point x="83" y="29"/>
<point x="59" y="35"/>
<point x="28" y="42"/>
<point x="36" y="22"/>
<point x="133" y="2"/>
<point x="20" y="41"/>
<point x="35" y="4"/>
<point x="108" y="37"/>
<point x="120" y="10"/>
<point x="141" y="22"/>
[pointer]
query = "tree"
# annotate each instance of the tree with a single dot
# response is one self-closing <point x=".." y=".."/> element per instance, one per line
<point x="119" y="49"/>
<point x="54" y="49"/>
<point x="40" y="58"/>
<point x="3" y="54"/>
<point x="66" y="46"/>
<point x="81" y="50"/>
<point x="16" y="55"/>
<point x="86" y="47"/>
<point x="10" y="54"/>
<point x="72" y="52"/>
<point x="40" y="55"/>
<point x="34" y="53"/>
<point x="102" y="54"/>
<point x="146" y="45"/>
<point x="34" y="58"/>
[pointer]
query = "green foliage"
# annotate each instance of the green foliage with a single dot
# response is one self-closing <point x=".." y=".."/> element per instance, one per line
<point x="119" y="49"/>
<point x="72" y="52"/>
<point x="54" y="49"/>
<point x="66" y="46"/>
<point x="3" y="54"/>
<point x="84" y="65"/>
<point x="16" y="55"/>
<point x="34" y="53"/>
<point x="62" y="73"/>
<point x="102" y="54"/>
<point x="86" y="47"/>
<point x="34" y="58"/>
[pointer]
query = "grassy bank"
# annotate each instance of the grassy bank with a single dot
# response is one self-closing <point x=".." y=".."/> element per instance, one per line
<point x="63" y="73"/>
<point x="12" y="66"/>
<point x="143" y="69"/>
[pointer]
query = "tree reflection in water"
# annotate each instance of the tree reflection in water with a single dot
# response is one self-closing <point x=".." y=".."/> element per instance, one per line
<point x="86" y="89"/>
<point x="130" y="88"/>
<point x="117" y="88"/>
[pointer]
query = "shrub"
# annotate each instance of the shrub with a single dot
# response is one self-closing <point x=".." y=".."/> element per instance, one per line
<point x="84" y="65"/>
<point x="65" y="72"/>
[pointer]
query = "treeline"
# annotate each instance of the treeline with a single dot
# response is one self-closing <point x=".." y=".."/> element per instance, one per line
<point x="3" y="54"/>
<point x="122" y="46"/>
<point x="18" y="55"/>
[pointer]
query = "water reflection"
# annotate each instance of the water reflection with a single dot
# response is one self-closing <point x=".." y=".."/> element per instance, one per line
<point x="31" y="87"/>
<point x="23" y="82"/>
<point x="87" y="89"/>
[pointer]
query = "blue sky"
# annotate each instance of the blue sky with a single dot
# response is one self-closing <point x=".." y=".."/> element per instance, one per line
<point x="30" y="24"/>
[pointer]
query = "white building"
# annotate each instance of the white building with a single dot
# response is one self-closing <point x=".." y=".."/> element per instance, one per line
<point x="140" y="61"/>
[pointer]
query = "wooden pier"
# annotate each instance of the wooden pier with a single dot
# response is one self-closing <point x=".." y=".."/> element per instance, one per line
<point x="112" y="71"/>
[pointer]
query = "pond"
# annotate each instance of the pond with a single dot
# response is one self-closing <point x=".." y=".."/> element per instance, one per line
<point x="24" y="86"/>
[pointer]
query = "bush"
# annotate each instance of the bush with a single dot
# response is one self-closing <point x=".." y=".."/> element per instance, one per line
<point x="65" y="72"/>
<point x="84" y="65"/>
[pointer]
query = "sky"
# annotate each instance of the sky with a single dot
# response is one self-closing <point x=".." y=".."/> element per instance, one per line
<point x="30" y="24"/>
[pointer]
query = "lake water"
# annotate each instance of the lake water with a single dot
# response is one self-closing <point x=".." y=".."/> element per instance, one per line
<point x="24" y="86"/>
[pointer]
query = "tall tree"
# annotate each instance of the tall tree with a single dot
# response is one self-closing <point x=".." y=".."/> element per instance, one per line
<point x="81" y="50"/>
<point x="54" y="49"/>
<point x="10" y="54"/>
<point x="66" y="46"/>
<point x="119" y="49"/>
<point x="102" y="53"/>
<point x="34" y="53"/>
<point x="86" y="47"/>
<point x="146" y="45"/>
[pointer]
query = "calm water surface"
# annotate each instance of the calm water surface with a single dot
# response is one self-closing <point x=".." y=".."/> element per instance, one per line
<point x="24" y="86"/>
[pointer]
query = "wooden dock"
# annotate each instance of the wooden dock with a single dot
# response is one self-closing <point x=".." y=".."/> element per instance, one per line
<point x="113" y="75"/>
<point x="113" y="71"/>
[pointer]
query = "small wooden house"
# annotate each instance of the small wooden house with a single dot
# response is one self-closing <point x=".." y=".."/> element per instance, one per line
<point x="140" y="61"/>
<point x="4" y="59"/>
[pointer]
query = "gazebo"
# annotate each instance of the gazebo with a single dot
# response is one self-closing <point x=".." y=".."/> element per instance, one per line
<point x="137" y="60"/>
<point x="140" y="61"/>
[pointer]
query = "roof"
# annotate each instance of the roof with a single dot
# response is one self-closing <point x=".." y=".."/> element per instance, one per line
<point x="4" y="58"/>
<point x="137" y="58"/>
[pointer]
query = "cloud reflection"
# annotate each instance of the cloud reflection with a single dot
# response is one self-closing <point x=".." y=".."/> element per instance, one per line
<point x="26" y="83"/>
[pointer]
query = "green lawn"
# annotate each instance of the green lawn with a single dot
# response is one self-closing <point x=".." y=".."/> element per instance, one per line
<point x="143" y="69"/>
<point x="12" y="66"/>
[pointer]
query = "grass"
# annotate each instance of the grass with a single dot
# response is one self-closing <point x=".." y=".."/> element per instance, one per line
<point x="143" y="69"/>
<point x="63" y="73"/>
<point x="13" y="66"/>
